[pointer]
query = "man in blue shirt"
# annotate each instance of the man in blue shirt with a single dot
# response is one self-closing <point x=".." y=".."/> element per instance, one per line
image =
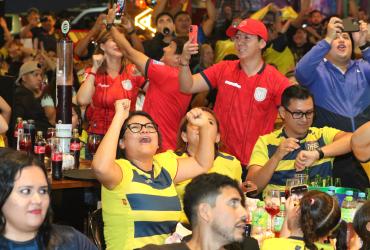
<point x="341" y="88"/>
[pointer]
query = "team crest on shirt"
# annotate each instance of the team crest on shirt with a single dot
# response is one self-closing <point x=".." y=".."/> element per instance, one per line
<point x="126" y="84"/>
<point x="260" y="94"/>
<point x="158" y="62"/>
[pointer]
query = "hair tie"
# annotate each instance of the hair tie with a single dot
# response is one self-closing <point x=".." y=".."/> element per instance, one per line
<point x="312" y="201"/>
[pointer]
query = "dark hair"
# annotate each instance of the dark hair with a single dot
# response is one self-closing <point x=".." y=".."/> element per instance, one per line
<point x="295" y="92"/>
<point x="180" y="13"/>
<point x="180" y="41"/>
<point x="121" y="153"/>
<point x="181" y="146"/>
<point x="163" y="14"/>
<point x="32" y="10"/>
<point x="320" y="217"/>
<point x="206" y="188"/>
<point x="77" y="109"/>
<point x="11" y="163"/>
<point x="362" y="217"/>
<point x="314" y="11"/>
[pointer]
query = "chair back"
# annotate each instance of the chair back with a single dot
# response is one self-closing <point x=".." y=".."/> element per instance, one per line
<point x="96" y="226"/>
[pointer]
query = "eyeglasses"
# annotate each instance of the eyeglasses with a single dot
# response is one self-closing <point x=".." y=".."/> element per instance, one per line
<point x="299" y="114"/>
<point x="138" y="127"/>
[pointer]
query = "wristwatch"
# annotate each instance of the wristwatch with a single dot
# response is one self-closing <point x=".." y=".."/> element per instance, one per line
<point x="321" y="153"/>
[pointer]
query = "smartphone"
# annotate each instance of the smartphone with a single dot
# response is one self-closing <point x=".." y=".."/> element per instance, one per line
<point x="298" y="191"/>
<point x="193" y="33"/>
<point x="350" y="25"/>
<point x="121" y="5"/>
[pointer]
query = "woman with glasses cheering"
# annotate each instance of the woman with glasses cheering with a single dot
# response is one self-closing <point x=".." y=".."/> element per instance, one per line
<point x="139" y="200"/>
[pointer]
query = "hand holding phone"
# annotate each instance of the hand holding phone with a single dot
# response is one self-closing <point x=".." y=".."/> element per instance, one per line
<point x="193" y="34"/>
<point x="350" y="25"/>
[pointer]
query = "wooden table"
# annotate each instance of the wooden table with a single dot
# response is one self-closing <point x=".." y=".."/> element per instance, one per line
<point x="69" y="183"/>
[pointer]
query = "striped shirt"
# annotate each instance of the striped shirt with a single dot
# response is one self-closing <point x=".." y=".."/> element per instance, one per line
<point x="267" y="145"/>
<point x="144" y="207"/>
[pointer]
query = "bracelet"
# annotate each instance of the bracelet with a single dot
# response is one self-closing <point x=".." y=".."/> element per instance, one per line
<point x="109" y="26"/>
<point x="131" y="32"/>
<point x="321" y="153"/>
<point x="365" y="46"/>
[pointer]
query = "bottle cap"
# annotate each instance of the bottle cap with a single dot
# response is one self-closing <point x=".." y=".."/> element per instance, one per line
<point x="39" y="133"/>
<point x="330" y="192"/>
<point x="331" y="188"/>
<point x="349" y="193"/>
<point x="361" y="195"/>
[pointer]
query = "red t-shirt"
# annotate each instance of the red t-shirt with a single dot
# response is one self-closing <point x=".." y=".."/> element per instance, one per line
<point x="245" y="106"/>
<point x="107" y="90"/>
<point x="164" y="101"/>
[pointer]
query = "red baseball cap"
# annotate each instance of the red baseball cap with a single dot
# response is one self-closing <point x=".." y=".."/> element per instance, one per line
<point x="249" y="26"/>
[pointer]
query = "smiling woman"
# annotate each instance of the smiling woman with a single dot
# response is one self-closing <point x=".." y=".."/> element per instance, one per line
<point x="139" y="199"/>
<point x="25" y="216"/>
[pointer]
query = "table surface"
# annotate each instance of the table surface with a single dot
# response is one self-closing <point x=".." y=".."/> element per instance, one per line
<point x="69" y="183"/>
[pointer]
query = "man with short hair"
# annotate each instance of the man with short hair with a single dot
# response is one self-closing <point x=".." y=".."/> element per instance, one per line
<point x="215" y="207"/>
<point x="165" y="33"/>
<point x="28" y="97"/>
<point x="341" y="87"/>
<point x="249" y="90"/>
<point x="297" y="146"/>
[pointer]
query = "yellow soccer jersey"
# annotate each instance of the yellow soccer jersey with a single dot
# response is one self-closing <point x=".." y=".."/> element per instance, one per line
<point x="267" y="145"/>
<point x="223" y="164"/>
<point x="144" y="207"/>
<point x="290" y="244"/>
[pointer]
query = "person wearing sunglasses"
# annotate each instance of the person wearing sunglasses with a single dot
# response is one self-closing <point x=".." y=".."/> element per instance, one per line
<point x="297" y="146"/>
<point x="139" y="200"/>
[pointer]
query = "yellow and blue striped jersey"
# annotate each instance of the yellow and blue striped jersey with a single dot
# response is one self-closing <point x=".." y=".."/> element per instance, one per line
<point x="267" y="145"/>
<point x="290" y="244"/>
<point x="144" y="207"/>
<point x="223" y="164"/>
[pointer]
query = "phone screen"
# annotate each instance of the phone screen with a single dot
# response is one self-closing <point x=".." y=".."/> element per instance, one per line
<point x="298" y="191"/>
<point x="121" y="5"/>
<point x="350" y="25"/>
<point x="193" y="33"/>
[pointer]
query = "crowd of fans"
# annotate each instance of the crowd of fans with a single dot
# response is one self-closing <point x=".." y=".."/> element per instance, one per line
<point x="168" y="109"/>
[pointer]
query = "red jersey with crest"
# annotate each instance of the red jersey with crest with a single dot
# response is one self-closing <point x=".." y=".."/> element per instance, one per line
<point x="164" y="101"/>
<point x="107" y="90"/>
<point x="246" y="106"/>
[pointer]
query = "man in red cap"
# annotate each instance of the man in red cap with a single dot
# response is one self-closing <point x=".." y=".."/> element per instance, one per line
<point x="249" y="90"/>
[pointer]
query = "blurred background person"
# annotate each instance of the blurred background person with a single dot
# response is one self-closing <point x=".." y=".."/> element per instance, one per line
<point x="25" y="217"/>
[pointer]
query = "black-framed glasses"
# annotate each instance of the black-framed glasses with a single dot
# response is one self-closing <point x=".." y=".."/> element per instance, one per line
<point x="137" y="127"/>
<point x="299" y="114"/>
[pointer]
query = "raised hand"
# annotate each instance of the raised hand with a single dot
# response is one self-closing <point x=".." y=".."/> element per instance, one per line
<point x="196" y="117"/>
<point x="97" y="61"/>
<point x="335" y="26"/>
<point x="127" y="23"/>
<point x="111" y="14"/>
<point x="305" y="159"/>
<point x="287" y="146"/>
<point x="360" y="38"/>
<point x="122" y="108"/>
<point x="188" y="50"/>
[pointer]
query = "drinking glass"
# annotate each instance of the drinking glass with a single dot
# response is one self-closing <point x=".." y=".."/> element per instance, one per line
<point x="301" y="178"/>
<point x="272" y="200"/>
<point x="25" y="143"/>
<point x="93" y="143"/>
<point x="291" y="182"/>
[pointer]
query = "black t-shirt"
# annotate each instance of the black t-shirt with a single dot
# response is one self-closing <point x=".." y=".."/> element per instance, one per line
<point x="62" y="238"/>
